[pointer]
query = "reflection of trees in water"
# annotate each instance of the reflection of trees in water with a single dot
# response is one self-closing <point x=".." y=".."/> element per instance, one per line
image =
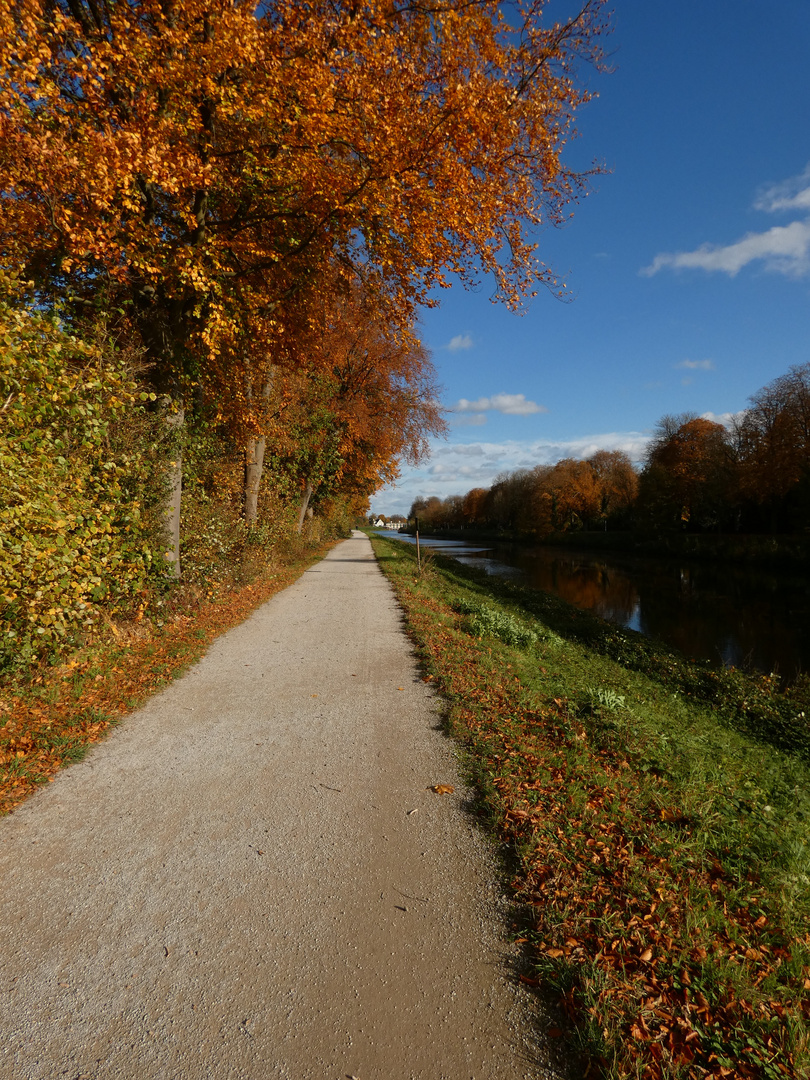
<point x="590" y="585"/>
<point x="741" y="618"/>
<point x="746" y="620"/>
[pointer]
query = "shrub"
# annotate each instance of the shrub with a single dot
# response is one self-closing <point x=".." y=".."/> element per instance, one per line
<point x="79" y="483"/>
<point x="499" y="624"/>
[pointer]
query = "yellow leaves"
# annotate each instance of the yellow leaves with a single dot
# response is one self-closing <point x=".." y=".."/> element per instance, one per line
<point x="442" y="789"/>
<point x="222" y="176"/>
<point x="421" y="97"/>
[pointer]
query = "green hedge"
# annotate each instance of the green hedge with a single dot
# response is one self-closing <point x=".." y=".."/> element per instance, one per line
<point x="77" y="455"/>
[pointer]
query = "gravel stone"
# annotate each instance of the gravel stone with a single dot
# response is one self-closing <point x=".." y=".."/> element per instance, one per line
<point x="234" y="884"/>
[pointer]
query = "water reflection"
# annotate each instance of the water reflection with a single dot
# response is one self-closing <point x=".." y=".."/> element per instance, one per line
<point x="742" y="618"/>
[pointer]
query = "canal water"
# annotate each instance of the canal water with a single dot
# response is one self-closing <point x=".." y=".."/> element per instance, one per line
<point x="744" y="618"/>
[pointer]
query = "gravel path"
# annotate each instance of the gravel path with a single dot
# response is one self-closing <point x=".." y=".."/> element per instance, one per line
<point x="250" y="879"/>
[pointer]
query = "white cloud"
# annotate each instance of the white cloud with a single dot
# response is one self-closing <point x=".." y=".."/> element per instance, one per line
<point x="696" y="365"/>
<point x="509" y="404"/>
<point x="460" y="341"/>
<point x="726" y="418"/>
<point x="793" y="194"/>
<point x="470" y="420"/>
<point x="783" y="249"/>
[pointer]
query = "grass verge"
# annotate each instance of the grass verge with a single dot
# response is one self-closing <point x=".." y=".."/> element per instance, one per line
<point x="662" y="838"/>
<point x="51" y="718"/>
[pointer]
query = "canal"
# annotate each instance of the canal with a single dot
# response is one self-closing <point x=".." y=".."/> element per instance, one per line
<point x="744" y="618"/>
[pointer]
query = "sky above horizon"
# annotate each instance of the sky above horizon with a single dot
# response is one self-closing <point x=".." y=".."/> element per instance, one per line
<point x="688" y="264"/>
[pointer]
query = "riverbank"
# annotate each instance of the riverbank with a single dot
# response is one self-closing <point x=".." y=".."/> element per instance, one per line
<point x="656" y="813"/>
<point x="775" y="552"/>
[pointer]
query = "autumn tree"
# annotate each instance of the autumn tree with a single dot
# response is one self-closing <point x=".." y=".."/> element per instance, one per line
<point x="543" y="506"/>
<point x="198" y="163"/>
<point x="428" y="512"/>
<point x="578" y="497"/>
<point x="569" y="494"/>
<point x="357" y="397"/>
<point x="474" y="506"/>
<point x="616" y="481"/>
<point x="509" y="502"/>
<point x="773" y="441"/>
<point x="689" y="477"/>
<point x="205" y="156"/>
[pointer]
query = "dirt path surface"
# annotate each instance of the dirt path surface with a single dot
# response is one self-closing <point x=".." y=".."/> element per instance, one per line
<point x="250" y="878"/>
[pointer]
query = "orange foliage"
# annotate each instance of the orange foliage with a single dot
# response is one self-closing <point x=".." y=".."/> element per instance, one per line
<point x="616" y="480"/>
<point x="355" y="396"/>
<point x="573" y="486"/>
<point x="774" y="437"/>
<point x="204" y="161"/>
<point x="689" y="473"/>
<point x="569" y="495"/>
<point x="473" y="506"/>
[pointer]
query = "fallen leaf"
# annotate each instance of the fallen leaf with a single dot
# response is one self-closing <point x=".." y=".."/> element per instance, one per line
<point x="409" y="812"/>
<point x="646" y="956"/>
<point x="442" y="789"/>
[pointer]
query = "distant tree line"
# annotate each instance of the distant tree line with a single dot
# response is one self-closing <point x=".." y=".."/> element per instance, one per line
<point x="548" y="498"/>
<point x="752" y="475"/>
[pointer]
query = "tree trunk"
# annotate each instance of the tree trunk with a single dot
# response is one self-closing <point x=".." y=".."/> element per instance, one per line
<point x="254" y="464"/>
<point x="302" y="513"/>
<point x="174" y="421"/>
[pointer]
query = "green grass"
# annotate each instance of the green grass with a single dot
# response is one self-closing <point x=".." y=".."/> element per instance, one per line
<point x="659" y="812"/>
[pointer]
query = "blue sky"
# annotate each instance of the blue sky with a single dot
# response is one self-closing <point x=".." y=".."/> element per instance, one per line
<point x="688" y="264"/>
